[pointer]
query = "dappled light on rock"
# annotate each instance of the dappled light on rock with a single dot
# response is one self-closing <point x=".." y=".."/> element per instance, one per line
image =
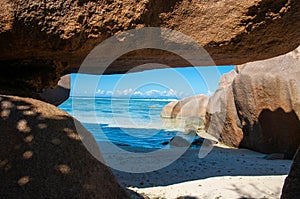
<point x="23" y="127"/>
<point x="64" y="169"/>
<point x="39" y="159"/>
<point x="27" y="155"/>
<point x="5" y="109"/>
<point x="24" y="180"/>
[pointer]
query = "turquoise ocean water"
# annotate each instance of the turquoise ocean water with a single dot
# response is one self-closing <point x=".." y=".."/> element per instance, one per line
<point x="125" y="122"/>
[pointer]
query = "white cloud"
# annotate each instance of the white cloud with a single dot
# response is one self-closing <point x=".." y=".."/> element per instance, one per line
<point x="138" y="93"/>
<point x="122" y="93"/>
<point x="171" y="92"/>
<point x="153" y="93"/>
<point x="129" y="92"/>
<point x="100" y="92"/>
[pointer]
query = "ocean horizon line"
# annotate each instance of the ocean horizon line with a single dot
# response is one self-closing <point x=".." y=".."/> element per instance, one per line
<point x="125" y="98"/>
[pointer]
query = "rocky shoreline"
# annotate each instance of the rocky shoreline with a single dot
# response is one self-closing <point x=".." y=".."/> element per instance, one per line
<point x="256" y="106"/>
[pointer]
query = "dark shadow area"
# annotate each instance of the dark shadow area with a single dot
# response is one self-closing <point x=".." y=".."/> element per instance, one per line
<point x="187" y="197"/>
<point x="42" y="155"/>
<point x="135" y="60"/>
<point x="291" y="188"/>
<point x="55" y="96"/>
<point x="219" y="162"/>
<point x="261" y="12"/>
<point x="135" y="195"/>
<point x="59" y="94"/>
<point x="275" y="132"/>
<point x="26" y="77"/>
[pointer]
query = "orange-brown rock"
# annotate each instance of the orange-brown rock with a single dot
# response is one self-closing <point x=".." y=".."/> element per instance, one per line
<point x="169" y="111"/>
<point x="221" y="118"/>
<point x="41" y="40"/>
<point x="267" y="98"/>
<point x="42" y="154"/>
<point x="186" y="115"/>
<point x="190" y="107"/>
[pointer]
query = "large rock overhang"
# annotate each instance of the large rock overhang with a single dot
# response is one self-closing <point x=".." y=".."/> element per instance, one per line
<point x="41" y="41"/>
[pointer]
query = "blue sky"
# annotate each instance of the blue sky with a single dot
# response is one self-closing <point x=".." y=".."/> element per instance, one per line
<point x="173" y="83"/>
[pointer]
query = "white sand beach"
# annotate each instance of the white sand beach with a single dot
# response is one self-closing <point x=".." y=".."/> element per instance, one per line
<point x="220" y="187"/>
<point x="223" y="173"/>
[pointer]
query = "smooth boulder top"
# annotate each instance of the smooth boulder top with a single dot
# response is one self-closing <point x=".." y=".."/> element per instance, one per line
<point x="189" y="107"/>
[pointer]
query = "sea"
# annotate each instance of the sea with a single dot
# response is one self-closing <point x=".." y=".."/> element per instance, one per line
<point x="126" y="122"/>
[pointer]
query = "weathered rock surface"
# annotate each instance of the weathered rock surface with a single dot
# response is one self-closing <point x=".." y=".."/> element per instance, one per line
<point x="189" y="107"/>
<point x="41" y="40"/>
<point x="221" y="118"/>
<point x="267" y="97"/>
<point x="187" y="115"/>
<point x="42" y="154"/>
<point x="291" y="186"/>
<point x="170" y="111"/>
<point x="59" y="94"/>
